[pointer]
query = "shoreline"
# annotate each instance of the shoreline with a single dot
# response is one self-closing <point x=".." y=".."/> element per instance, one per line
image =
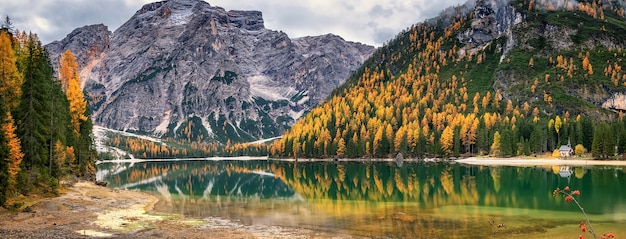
<point x="476" y="160"/>
<point x="85" y="210"/>
<point x="539" y="161"/>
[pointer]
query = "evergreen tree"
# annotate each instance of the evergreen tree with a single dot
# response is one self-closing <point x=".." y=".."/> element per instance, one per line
<point x="603" y="142"/>
<point x="457" y="141"/>
<point x="482" y="140"/>
<point x="609" y="141"/>
<point x="60" y="127"/>
<point x="621" y="148"/>
<point x="587" y="132"/>
<point x="4" y="155"/>
<point x="506" y="143"/>
<point x="34" y="111"/>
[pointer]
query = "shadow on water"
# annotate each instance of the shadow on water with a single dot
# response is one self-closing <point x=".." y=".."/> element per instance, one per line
<point x="443" y="200"/>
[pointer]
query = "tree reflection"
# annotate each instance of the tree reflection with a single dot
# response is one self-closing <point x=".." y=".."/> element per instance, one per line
<point x="378" y="198"/>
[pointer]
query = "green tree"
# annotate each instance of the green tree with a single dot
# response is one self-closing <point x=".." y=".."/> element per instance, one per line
<point x="482" y="140"/>
<point x="587" y="132"/>
<point x="4" y="155"/>
<point x="603" y="142"/>
<point x="507" y="143"/>
<point x="34" y="111"/>
<point x="60" y="127"/>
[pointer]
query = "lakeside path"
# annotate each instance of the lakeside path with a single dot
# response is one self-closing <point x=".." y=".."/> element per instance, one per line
<point x="538" y="162"/>
<point x="85" y="210"/>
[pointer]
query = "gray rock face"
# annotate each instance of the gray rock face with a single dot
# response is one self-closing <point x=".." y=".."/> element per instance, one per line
<point x="492" y="19"/>
<point x="185" y="69"/>
<point x="91" y="41"/>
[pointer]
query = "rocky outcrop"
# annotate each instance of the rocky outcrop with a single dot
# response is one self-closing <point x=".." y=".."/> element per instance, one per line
<point x="183" y="68"/>
<point x="492" y="19"/>
<point x="90" y="41"/>
<point x="617" y="102"/>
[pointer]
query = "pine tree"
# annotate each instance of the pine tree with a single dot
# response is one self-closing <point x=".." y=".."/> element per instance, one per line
<point x="60" y="126"/>
<point x="506" y="143"/>
<point x="4" y="155"/>
<point x="34" y="111"/>
<point x="597" y="148"/>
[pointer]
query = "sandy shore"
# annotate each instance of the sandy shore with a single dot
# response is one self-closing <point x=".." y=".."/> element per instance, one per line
<point x="538" y="161"/>
<point x="87" y="210"/>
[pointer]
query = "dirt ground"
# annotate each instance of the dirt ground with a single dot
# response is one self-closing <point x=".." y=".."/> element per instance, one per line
<point x="86" y="210"/>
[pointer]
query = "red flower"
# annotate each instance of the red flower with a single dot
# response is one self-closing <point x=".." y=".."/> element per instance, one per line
<point x="569" y="198"/>
<point x="581" y="237"/>
<point x="566" y="188"/>
<point x="576" y="192"/>
<point x="609" y="235"/>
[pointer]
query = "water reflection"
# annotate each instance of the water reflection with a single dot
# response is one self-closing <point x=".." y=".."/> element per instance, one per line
<point x="381" y="199"/>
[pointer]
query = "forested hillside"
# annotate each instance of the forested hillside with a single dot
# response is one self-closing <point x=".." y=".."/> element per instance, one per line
<point x="46" y="126"/>
<point x="494" y="77"/>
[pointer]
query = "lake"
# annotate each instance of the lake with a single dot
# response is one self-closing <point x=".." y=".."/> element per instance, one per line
<point x="382" y="199"/>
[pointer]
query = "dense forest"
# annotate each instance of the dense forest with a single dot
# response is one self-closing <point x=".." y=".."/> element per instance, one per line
<point x="46" y="128"/>
<point x="418" y="95"/>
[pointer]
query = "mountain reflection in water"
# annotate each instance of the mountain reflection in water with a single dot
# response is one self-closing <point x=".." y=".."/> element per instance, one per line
<point x="380" y="198"/>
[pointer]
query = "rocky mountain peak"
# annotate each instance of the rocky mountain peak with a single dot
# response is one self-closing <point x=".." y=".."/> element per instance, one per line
<point x="92" y="41"/>
<point x="180" y="11"/>
<point x="184" y="68"/>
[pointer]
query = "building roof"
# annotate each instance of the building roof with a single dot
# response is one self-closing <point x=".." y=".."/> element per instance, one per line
<point x="565" y="148"/>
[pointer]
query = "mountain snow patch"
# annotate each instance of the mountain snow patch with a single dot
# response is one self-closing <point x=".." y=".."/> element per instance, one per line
<point x="263" y="87"/>
<point x="162" y="128"/>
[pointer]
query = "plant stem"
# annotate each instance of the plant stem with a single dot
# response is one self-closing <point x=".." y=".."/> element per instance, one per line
<point x="593" y="232"/>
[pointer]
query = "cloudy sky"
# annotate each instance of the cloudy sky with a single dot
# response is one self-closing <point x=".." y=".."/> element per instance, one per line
<point x="368" y="21"/>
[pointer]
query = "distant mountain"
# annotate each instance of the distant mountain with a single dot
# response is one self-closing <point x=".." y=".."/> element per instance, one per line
<point x="490" y="76"/>
<point x="185" y="69"/>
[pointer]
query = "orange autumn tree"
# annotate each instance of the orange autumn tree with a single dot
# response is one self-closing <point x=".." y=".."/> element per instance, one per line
<point x="15" y="151"/>
<point x="68" y="75"/>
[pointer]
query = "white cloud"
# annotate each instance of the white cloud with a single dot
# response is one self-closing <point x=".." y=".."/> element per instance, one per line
<point x="366" y="21"/>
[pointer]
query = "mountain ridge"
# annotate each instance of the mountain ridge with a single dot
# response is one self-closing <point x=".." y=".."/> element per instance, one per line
<point x="488" y="77"/>
<point x="185" y="69"/>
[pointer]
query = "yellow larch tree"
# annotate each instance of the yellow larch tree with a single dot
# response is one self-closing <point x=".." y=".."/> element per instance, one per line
<point x="341" y="147"/>
<point x="10" y="79"/>
<point x="447" y="140"/>
<point x="495" y="147"/>
<point x="68" y="74"/>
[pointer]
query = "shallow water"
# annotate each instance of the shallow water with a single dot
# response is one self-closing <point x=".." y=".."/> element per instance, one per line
<point x="381" y="199"/>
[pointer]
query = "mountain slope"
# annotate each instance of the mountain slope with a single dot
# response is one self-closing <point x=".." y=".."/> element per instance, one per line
<point x="185" y="69"/>
<point x="498" y="77"/>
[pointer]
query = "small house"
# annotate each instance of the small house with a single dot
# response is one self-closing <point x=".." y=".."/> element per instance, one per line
<point x="566" y="151"/>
